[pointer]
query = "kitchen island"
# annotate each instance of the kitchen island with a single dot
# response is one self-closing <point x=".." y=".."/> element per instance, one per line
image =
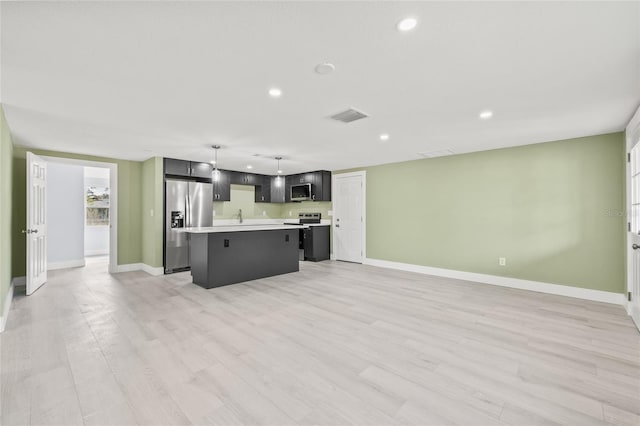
<point x="223" y="255"/>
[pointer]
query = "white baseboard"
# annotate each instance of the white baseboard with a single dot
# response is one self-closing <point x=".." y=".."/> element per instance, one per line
<point x="151" y="270"/>
<point x="129" y="267"/>
<point x="98" y="252"/>
<point x="7" y="306"/>
<point x="78" y="263"/>
<point x="540" y="287"/>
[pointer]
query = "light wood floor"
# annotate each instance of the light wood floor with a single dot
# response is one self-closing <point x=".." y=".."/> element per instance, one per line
<point x="334" y="344"/>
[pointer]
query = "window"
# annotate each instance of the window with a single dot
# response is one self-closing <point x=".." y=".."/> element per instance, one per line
<point x="97" y="206"/>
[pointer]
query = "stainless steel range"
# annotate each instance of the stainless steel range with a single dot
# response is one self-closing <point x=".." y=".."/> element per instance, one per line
<point x="306" y="218"/>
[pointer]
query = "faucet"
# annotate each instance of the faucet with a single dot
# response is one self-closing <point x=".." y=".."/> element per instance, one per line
<point x="240" y="215"/>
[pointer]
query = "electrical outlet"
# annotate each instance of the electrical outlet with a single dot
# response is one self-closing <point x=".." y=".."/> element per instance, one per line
<point x="502" y="261"/>
<point x="264" y="213"/>
<point x="151" y="212"/>
<point x="289" y="212"/>
<point x="214" y="213"/>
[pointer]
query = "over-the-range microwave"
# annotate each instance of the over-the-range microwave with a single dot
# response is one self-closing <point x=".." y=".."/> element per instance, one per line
<point x="301" y="192"/>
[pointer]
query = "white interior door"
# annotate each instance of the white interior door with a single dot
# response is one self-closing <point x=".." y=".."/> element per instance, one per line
<point x="349" y="216"/>
<point x="633" y="207"/>
<point x="36" y="231"/>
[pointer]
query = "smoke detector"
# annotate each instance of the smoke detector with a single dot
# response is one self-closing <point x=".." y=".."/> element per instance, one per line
<point x="325" y="68"/>
<point x="349" y="115"/>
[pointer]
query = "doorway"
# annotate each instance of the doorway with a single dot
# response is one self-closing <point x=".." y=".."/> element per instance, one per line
<point x="81" y="213"/>
<point x="349" y="213"/>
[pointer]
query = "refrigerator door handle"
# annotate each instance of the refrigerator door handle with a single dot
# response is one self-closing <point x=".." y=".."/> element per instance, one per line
<point x="187" y="212"/>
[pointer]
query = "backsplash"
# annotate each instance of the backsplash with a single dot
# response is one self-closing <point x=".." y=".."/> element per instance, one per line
<point x="243" y="197"/>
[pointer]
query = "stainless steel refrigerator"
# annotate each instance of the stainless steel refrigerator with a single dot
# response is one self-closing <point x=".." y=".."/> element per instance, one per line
<point x="187" y="204"/>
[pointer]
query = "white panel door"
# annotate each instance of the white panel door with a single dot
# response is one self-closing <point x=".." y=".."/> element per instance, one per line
<point x="633" y="207"/>
<point x="348" y="213"/>
<point x="36" y="231"/>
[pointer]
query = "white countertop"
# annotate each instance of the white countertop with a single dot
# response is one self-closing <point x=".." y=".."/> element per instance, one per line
<point x="251" y="225"/>
<point x="237" y="228"/>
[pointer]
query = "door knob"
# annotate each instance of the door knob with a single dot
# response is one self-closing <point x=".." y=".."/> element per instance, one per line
<point x="635" y="247"/>
<point x="337" y="226"/>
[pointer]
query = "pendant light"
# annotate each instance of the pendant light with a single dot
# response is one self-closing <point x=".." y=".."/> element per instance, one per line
<point x="279" y="178"/>
<point x="216" y="173"/>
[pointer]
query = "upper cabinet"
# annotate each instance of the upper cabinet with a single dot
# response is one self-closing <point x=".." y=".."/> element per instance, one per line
<point x="321" y="188"/>
<point x="242" y="178"/>
<point x="263" y="189"/>
<point x="269" y="189"/>
<point x="320" y="184"/>
<point x="222" y="186"/>
<point x="277" y="189"/>
<point x="187" y="168"/>
<point x="201" y="170"/>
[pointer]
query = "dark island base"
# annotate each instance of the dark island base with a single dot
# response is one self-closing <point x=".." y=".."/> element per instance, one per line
<point x="223" y="258"/>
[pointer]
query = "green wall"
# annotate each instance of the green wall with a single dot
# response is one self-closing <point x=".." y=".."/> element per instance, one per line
<point x="152" y="193"/>
<point x="6" y="218"/>
<point x="129" y="206"/>
<point x="554" y="210"/>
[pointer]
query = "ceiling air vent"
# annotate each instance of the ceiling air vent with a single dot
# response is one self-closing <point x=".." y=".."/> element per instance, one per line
<point x="439" y="153"/>
<point x="349" y="115"/>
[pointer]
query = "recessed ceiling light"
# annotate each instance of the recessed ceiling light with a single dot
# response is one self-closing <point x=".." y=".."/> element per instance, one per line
<point x="249" y="166"/>
<point x="485" y="115"/>
<point x="384" y="137"/>
<point x="407" y="24"/>
<point x="274" y="92"/>
<point x="213" y="161"/>
<point x="325" y="68"/>
<point x="279" y="172"/>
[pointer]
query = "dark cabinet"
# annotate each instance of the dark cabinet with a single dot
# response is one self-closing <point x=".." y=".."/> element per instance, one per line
<point x="269" y="189"/>
<point x="241" y="178"/>
<point x="316" y="243"/>
<point x="201" y="170"/>
<point x="287" y="188"/>
<point x="320" y="185"/>
<point x="185" y="168"/>
<point x="277" y="189"/>
<point x="263" y="190"/>
<point x="176" y="167"/>
<point x="222" y="186"/>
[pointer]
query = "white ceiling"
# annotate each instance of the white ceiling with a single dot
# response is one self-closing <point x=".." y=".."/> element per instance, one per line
<point x="136" y="79"/>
